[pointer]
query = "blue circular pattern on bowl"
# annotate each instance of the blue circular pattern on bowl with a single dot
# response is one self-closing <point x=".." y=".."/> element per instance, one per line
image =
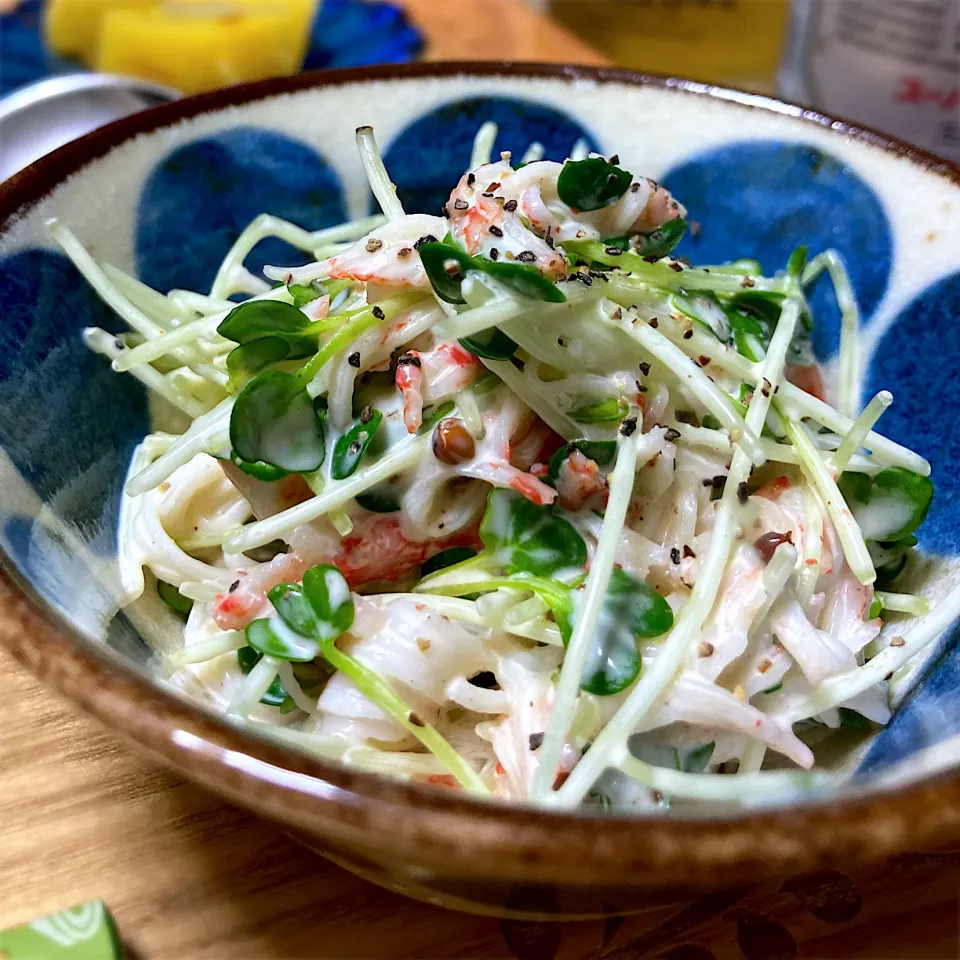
<point x="67" y="421"/>
<point x="917" y="359"/>
<point x="763" y="199"/>
<point x="430" y="155"/>
<point x="201" y="196"/>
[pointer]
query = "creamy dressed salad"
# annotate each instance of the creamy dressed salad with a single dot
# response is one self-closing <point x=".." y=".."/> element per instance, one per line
<point x="508" y="499"/>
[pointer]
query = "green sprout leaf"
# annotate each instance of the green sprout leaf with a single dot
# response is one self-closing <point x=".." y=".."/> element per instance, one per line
<point x="652" y="246"/>
<point x="490" y="344"/>
<point x="273" y="638"/>
<point x="379" y="499"/>
<point x="447" y="266"/>
<point x="264" y="318"/>
<point x="797" y="263"/>
<point x="601" y="452"/>
<point x="273" y="421"/>
<point x="258" y="469"/>
<point x="328" y="593"/>
<point x="523" y="537"/>
<point x="889" y="506"/>
<point x="631" y="611"/>
<point x="276" y="695"/>
<point x="696" y="760"/>
<point x="304" y="293"/>
<point x="434" y="414"/>
<point x="591" y="184"/>
<point x="446" y="558"/>
<point x="611" y="410"/>
<point x="350" y="447"/>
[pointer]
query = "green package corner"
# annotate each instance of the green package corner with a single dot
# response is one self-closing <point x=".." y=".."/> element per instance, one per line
<point x="84" y="932"/>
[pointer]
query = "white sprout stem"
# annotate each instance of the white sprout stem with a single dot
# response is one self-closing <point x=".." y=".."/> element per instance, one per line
<point x="108" y="291"/>
<point x="473" y="321"/>
<point x="254" y="686"/>
<point x="259" y="229"/>
<point x="845" y="686"/>
<point x="862" y="426"/>
<point x="191" y="301"/>
<point x="351" y="230"/>
<point x="381" y="185"/>
<point x="904" y="603"/>
<point x="779" y="570"/>
<point x="525" y="610"/>
<point x="207" y="434"/>
<point x="752" y="758"/>
<point x="292" y="685"/>
<point x="204" y="650"/>
<point x="581" y="150"/>
<point x="187" y="333"/>
<point x="470" y="412"/>
<point x="812" y="547"/>
<point x="533" y="153"/>
<point x="654" y="682"/>
<point x="99" y="341"/>
<point x="747" y="789"/>
<point x="466" y="611"/>
<point x="848" y="386"/>
<point x="692" y="376"/>
<point x="540" y="405"/>
<point x="483" y="144"/>
<point x="585" y="628"/>
<point x="799" y="402"/>
<point x="848" y="530"/>
<point x="339" y="492"/>
<point x="775" y="452"/>
<point x="155" y="304"/>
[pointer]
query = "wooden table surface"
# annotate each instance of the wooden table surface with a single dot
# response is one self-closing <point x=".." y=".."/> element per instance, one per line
<point x="191" y="878"/>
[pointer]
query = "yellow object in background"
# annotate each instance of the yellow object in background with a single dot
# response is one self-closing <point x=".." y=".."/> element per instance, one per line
<point x="73" y="26"/>
<point x="732" y="42"/>
<point x="191" y="45"/>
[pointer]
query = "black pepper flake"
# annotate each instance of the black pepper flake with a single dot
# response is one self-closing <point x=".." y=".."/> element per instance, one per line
<point x="687" y="334"/>
<point x="675" y="266"/>
<point x="366" y="414"/>
<point x="628" y="427"/>
<point x="671" y="434"/>
<point x="119" y="344"/>
<point x="493" y="187"/>
<point x="650" y="259"/>
<point x="748" y="282"/>
<point x="702" y="360"/>
<point x="415" y="720"/>
<point x="488" y="194"/>
<point x="409" y="358"/>
<point x="494" y="254"/>
<point x="718" y="483"/>
<point x="615" y="160"/>
<point x="471" y="179"/>
<point x="233" y="586"/>
<point x="527" y="256"/>
<point x="510" y="206"/>
<point x="536" y="740"/>
<point x="688" y="552"/>
<point x="560" y="342"/>
<point x="549" y="241"/>
<point x="675" y="555"/>
<point x="742" y="494"/>
<point x="634" y="187"/>
<point x="612" y="251"/>
<point x="429" y="238"/>
<point x="495" y="230"/>
<point x="373" y="245"/>
<point x="354" y="448"/>
<point x="765" y="387"/>
<point x="354" y="359"/>
<point x="642" y="389"/>
<point x="461" y="205"/>
<point x="404" y="252"/>
<point x="645" y="368"/>
<point x="618" y="314"/>
<point x="378" y="312"/>
<point x="584" y="278"/>
<point x="654" y="323"/>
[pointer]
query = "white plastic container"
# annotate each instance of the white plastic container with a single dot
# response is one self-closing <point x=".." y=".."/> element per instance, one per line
<point x="889" y="64"/>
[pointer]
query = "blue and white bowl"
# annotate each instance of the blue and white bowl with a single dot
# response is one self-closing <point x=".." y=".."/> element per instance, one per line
<point x="163" y="195"/>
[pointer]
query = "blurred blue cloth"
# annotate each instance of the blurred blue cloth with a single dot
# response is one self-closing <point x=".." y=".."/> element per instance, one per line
<point x="346" y="33"/>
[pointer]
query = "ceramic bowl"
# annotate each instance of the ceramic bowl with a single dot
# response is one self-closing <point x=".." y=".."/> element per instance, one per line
<point x="164" y="193"/>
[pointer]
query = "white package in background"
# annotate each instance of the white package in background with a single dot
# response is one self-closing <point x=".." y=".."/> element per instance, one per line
<point x="889" y="64"/>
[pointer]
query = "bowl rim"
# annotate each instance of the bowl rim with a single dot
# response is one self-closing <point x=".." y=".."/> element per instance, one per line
<point x="428" y="826"/>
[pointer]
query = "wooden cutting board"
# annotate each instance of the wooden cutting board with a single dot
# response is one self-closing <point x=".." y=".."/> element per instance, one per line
<point x="189" y="877"/>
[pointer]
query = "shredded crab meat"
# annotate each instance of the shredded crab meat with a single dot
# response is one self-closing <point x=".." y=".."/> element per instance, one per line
<point x="425" y="377"/>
